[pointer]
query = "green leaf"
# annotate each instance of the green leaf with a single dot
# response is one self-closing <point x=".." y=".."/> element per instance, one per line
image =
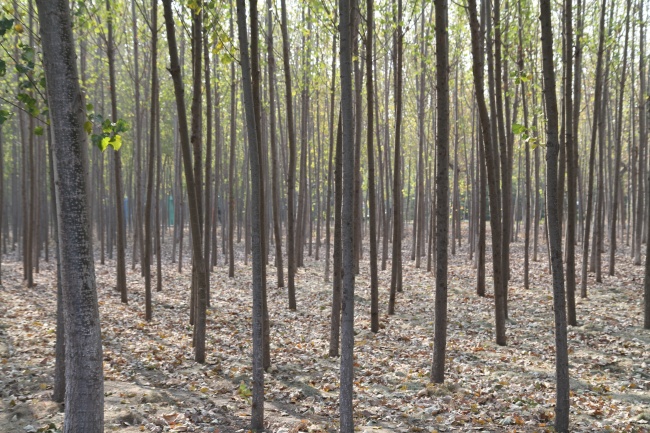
<point x="4" y="115"/>
<point x="107" y="126"/>
<point x="116" y="142"/>
<point x="226" y="59"/>
<point x="244" y="390"/>
<point x="88" y="126"/>
<point x="121" y="126"/>
<point x="518" y="128"/>
<point x="5" y="25"/>
<point x="3" y="68"/>
<point x="28" y="54"/>
<point x="38" y="130"/>
<point x="103" y="144"/>
<point x="89" y="107"/>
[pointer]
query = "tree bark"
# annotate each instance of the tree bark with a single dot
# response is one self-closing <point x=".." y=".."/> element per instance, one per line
<point x="117" y="167"/>
<point x="442" y="192"/>
<point x="195" y="226"/>
<point x="396" y="268"/>
<point x="291" y="181"/>
<point x="489" y="152"/>
<point x="84" y="399"/>
<point x="372" y="194"/>
<point x="347" y="223"/>
<point x="257" y="410"/>
<point x="146" y="257"/>
<point x="555" y="234"/>
<point x="592" y="151"/>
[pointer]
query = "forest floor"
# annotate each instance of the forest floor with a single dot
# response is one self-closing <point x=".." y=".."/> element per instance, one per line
<point x="153" y="384"/>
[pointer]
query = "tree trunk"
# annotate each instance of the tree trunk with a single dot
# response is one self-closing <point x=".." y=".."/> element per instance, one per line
<point x="372" y="193"/>
<point x="489" y="152"/>
<point x="347" y="223"/>
<point x="618" y="148"/>
<point x="146" y="257"/>
<point x="335" y="324"/>
<point x="257" y="418"/>
<point x="275" y="187"/>
<point x="117" y="167"/>
<point x="592" y="152"/>
<point x="442" y="192"/>
<point x="291" y="181"/>
<point x="555" y="234"/>
<point x="84" y="404"/>
<point x="195" y="226"/>
<point x="396" y="269"/>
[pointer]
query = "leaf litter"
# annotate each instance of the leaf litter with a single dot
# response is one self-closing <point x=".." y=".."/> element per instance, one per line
<point x="153" y="384"/>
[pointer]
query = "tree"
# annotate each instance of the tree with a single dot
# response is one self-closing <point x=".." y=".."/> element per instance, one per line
<point x="396" y="269"/>
<point x="146" y="258"/>
<point x="291" y="173"/>
<point x="195" y="225"/>
<point x="554" y="231"/>
<point x="592" y="151"/>
<point x="257" y="418"/>
<point x="372" y="194"/>
<point x="84" y="401"/>
<point x="442" y="192"/>
<point x="347" y="209"/>
<point x="489" y="153"/>
<point x="117" y="165"/>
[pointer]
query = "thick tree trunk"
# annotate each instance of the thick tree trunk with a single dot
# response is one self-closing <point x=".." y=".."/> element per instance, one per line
<point x="84" y="399"/>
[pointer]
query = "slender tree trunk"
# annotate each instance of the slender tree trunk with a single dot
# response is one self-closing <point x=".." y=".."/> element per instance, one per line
<point x="618" y="147"/>
<point x="335" y="324"/>
<point x="330" y="169"/>
<point x="528" y="186"/>
<point x="372" y="194"/>
<point x="571" y="163"/>
<point x="117" y="167"/>
<point x="592" y="152"/>
<point x="555" y="235"/>
<point x="442" y="192"/>
<point x="257" y="418"/>
<point x="643" y="140"/>
<point x="347" y="223"/>
<point x="291" y="181"/>
<point x="137" y="151"/>
<point x="396" y="271"/>
<point x="275" y="187"/>
<point x="146" y="257"/>
<point x="489" y="152"/>
<point x="231" y="165"/>
<point x="207" y="220"/>
<point x="195" y="226"/>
